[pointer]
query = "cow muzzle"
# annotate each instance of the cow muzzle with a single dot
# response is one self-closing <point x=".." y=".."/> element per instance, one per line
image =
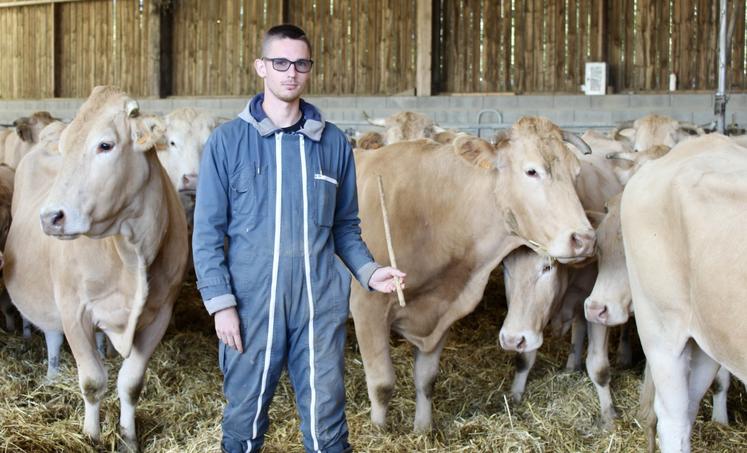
<point x="58" y="223"/>
<point x="524" y="341"/>
<point x="605" y="314"/>
<point x="188" y="183"/>
<point x="574" y="246"/>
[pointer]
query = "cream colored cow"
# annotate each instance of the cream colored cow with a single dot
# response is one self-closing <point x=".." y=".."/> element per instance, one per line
<point x="180" y="149"/>
<point x="652" y="130"/>
<point x="111" y="251"/>
<point x="459" y="209"/>
<point x="683" y="231"/>
<point x="16" y="144"/>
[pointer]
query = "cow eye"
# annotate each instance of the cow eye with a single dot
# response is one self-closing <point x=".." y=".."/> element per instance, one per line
<point x="546" y="268"/>
<point x="532" y="173"/>
<point x="105" y="147"/>
<point x="172" y="143"/>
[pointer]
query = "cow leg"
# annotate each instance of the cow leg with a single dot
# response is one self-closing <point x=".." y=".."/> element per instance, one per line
<point x="720" y="389"/>
<point x="669" y="371"/>
<point x="91" y="371"/>
<point x="131" y="374"/>
<point x="6" y="306"/>
<point x="372" y="332"/>
<point x="54" y="341"/>
<point x="598" y="367"/>
<point x="703" y="370"/>
<point x="578" y="333"/>
<point x="524" y="362"/>
<point x="624" y="351"/>
<point x="426" y="369"/>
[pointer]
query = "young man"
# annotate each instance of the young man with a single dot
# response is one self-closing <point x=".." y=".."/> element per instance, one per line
<point x="279" y="183"/>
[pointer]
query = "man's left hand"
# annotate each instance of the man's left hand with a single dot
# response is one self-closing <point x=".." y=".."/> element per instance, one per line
<point x="382" y="279"/>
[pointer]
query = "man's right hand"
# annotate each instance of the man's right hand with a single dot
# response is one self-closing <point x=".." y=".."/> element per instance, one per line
<point x="227" y="328"/>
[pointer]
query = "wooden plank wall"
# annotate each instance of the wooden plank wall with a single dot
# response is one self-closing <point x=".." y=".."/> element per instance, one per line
<point x="365" y="47"/>
<point x="554" y="38"/>
<point x="102" y="42"/>
<point x="214" y="45"/>
<point x="25" y="56"/>
<point x="359" y="46"/>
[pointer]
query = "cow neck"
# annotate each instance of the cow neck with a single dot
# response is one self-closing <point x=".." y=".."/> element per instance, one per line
<point x="139" y="242"/>
<point x="144" y="229"/>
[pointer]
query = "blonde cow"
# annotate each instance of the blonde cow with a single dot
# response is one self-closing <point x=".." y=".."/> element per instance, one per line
<point x="17" y="143"/>
<point x="685" y="244"/>
<point x="459" y="209"/>
<point x="111" y="251"/>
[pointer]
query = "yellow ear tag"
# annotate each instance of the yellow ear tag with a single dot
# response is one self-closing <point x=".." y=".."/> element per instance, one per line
<point x="486" y="165"/>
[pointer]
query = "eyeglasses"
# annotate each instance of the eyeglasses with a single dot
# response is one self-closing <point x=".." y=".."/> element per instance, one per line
<point x="283" y="64"/>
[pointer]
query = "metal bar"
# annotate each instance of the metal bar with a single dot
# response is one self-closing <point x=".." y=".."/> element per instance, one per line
<point x="721" y="98"/>
<point x="39" y="2"/>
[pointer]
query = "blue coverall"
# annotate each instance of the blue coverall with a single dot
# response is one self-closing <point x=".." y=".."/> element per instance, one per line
<point x="287" y="204"/>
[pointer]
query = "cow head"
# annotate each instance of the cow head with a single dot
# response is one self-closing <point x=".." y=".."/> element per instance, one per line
<point x="403" y="126"/>
<point x="652" y="130"/>
<point x="610" y="299"/>
<point x="107" y="160"/>
<point x="180" y="148"/>
<point x="535" y="285"/>
<point x="535" y="175"/>
<point x="29" y="127"/>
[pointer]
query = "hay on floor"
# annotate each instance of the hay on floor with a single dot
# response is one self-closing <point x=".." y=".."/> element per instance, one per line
<point x="181" y="405"/>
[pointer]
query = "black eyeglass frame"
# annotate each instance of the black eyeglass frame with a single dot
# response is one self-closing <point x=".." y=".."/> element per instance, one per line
<point x="277" y="64"/>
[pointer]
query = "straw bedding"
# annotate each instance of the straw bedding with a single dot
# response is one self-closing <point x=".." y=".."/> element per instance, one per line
<point x="180" y="408"/>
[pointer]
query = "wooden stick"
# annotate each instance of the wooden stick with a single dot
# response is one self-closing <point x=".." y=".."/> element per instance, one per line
<point x="388" y="233"/>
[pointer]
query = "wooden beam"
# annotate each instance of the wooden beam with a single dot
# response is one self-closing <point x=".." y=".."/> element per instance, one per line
<point x="153" y="71"/>
<point x="36" y="3"/>
<point x="424" y="47"/>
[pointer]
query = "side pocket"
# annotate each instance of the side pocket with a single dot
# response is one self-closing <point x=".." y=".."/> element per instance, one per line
<point x="326" y="197"/>
<point x="247" y="189"/>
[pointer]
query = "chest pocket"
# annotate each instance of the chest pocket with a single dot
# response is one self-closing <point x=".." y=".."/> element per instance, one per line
<point x="326" y="197"/>
<point x="248" y="191"/>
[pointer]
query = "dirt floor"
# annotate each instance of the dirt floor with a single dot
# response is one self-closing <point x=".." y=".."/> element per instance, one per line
<point x="180" y="408"/>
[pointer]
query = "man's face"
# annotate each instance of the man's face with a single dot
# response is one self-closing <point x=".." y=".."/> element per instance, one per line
<point x="284" y="85"/>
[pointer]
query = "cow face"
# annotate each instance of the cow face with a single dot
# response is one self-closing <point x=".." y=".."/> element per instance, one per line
<point x="653" y="130"/>
<point x="180" y="149"/>
<point x="610" y="300"/>
<point x="535" y="176"/>
<point x="534" y="286"/>
<point x="106" y="163"/>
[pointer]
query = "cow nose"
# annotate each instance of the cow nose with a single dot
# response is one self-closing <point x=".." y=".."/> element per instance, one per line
<point x="596" y="312"/>
<point x="189" y="182"/>
<point x="53" y="221"/>
<point x="511" y="342"/>
<point x="582" y="242"/>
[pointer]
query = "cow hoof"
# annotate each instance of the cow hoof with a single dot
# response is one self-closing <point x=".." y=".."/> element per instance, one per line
<point x="422" y="427"/>
<point x="379" y="424"/>
<point x="516" y="397"/>
<point x="128" y="446"/>
<point x="607" y="420"/>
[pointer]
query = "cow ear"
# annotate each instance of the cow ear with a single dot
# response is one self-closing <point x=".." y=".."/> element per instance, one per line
<point x="147" y="131"/>
<point x="476" y="151"/>
<point x="24" y="132"/>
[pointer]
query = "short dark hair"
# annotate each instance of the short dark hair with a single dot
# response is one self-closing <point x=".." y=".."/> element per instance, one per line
<point x="288" y="31"/>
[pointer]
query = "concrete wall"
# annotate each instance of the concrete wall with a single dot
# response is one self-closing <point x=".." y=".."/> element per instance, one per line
<point x="576" y="112"/>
